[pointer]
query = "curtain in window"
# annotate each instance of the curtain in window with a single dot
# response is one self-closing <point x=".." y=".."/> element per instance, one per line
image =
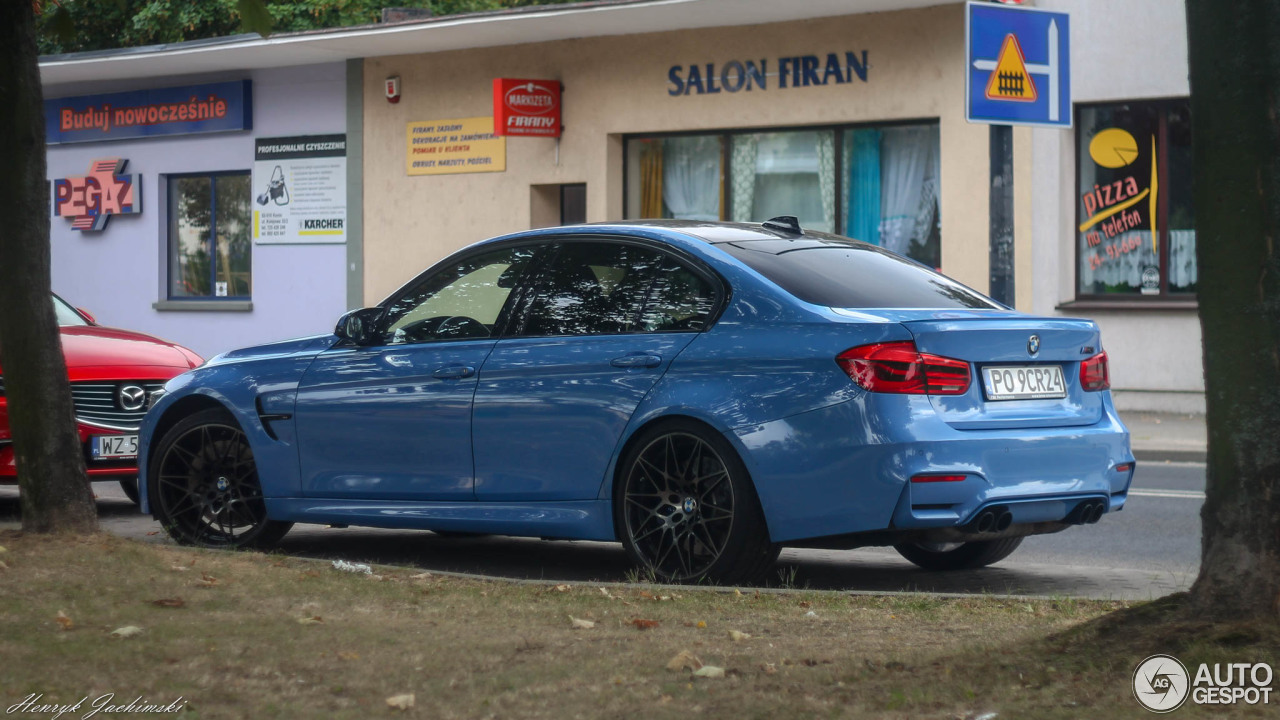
<point x="1182" y="259"/>
<point x="928" y="210"/>
<point x="691" y="177"/>
<point x="862" y="157"/>
<point x="905" y="165"/>
<point x="827" y="179"/>
<point x="651" y="179"/>
<point x="742" y="168"/>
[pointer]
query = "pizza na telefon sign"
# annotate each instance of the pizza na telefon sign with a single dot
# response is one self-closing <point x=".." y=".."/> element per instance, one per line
<point x="526" y="107"/>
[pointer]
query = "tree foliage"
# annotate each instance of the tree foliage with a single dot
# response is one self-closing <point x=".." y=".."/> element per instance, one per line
<point x="105" y="24"/>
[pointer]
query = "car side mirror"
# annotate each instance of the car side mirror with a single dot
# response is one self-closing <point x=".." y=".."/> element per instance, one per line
<point x="359" y="326"/>
<point x="87" y="315"/>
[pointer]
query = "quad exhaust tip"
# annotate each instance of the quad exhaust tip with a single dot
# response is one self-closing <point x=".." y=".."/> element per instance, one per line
<point x="992" y="520"/>
<point x="1087" y="512"/>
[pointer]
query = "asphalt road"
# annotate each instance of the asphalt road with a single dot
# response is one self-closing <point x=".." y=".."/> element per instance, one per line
<point x="1150" y="549"/>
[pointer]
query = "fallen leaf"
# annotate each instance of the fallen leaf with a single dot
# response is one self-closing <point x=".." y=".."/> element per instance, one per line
<point x="646" y="594"/>
<point x="400" y="702"/>
<point x="811" y="614"/>
<point x="738" y="636"/>
<point x="312" y="620"/>
<point x="685" y="660"/>
<point x="605" y="592"/>
<point x="179" y="568"/>
<point x="420" y="576"/>
<point x="702" y="625"/>
<point x="642" y="624"/>
<point x="348" y="656"/>
<point x="171" y="602"/>
<point x="3" y="549"/>
<point x="664" y="598"/>
<point x="127" y="631"/>
<point x="208" y="581"/>
<point x="561" y="588"/>
<point x="153" y="532"/>
<point x="64" y="621"/>
<point x="769" y="669"/>
<point x="3" y="566"/>
<point x="709" y="671"/>
<point x="580" y="624"/>
<point x="737" y="592"/>
<point x="805" y="604"/>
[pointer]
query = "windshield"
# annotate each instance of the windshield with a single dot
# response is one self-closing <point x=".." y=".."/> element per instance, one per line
<point x="826" y="270"/>
<point x="66" y="314"/>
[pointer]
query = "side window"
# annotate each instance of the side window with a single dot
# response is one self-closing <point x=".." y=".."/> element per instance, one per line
<point x="680" y="299"/>
<point x="594" y="288"/>
<point x="460" y="302"/>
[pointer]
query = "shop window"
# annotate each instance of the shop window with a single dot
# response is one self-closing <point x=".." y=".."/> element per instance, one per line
<point x="1135" y="218"/>
<point x="878" y="184"/>
<point x="210" y="243"/>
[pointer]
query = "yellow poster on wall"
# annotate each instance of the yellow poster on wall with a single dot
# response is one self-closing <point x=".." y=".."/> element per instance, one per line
<point x="460" y="145"/>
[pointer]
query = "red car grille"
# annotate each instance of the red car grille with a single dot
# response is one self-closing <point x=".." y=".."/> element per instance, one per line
<point x="101" y="403"/>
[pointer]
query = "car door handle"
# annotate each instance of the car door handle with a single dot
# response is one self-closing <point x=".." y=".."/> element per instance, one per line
<point x="637" y="360"/>
<point x="451" y="372"/>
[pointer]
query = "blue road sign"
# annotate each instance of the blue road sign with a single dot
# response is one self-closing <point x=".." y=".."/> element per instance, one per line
<point x="1019" y="69"/>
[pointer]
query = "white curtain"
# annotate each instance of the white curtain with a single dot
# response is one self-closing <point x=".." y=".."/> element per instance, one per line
<point x="742" y="166"/>
<point x="691" y="177"/>
<point x="905" y="162"/>
<point x="1182" y="258"/>
<point x="827" y="179"/>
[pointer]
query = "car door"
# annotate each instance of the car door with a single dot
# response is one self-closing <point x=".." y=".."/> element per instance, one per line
<point x="393" y="420"/>
<point x="604" y="321"/>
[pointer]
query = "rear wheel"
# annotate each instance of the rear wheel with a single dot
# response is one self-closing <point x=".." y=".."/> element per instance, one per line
<point x="686" y="509"/>
<point x="958" y="556"/>
<point x="204" y="488"/>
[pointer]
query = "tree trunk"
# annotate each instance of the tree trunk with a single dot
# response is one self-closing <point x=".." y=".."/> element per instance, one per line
<point x="1235" y="103"/>
<point x="51" y="476"/>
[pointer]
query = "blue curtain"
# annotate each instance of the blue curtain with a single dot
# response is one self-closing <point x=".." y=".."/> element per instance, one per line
<point x="863" y="186"/>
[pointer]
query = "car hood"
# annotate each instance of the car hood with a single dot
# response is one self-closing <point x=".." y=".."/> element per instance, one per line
<point x="283" y="348"/>
<point x="97" y="346"/>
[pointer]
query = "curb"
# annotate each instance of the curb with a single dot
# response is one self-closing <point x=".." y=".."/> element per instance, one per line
<point x="1159" y="456"/>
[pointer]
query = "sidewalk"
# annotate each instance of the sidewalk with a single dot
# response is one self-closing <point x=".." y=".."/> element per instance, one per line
<point x="1157" y="437"/>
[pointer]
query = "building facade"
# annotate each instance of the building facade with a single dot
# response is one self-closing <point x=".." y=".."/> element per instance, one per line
<point x="849" y="115"/>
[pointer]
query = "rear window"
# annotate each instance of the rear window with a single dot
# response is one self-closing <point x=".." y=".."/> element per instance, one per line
<point x="849" y="274"/>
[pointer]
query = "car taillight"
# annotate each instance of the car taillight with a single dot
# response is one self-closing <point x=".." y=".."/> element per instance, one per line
<point x="897" y="367"/>
<point x="1094" y="374"/>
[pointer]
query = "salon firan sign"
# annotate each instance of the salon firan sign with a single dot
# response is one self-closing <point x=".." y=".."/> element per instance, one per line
<point x="765" y="74"/>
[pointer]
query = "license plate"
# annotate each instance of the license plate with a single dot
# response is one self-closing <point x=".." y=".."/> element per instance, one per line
<point x="1023" y="382"/>
<point x="113" y="447"/>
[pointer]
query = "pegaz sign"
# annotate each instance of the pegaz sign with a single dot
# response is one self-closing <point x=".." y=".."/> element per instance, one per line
<point x="526" y="107"/>
<point x="218" y="107"/>
<point x="90" y="200"/>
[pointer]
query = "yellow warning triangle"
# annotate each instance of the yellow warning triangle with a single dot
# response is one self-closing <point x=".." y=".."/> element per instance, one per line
<point x="1010" y="80"/>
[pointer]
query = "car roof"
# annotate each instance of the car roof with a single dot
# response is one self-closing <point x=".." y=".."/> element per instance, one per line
<point x="771" y="239"/>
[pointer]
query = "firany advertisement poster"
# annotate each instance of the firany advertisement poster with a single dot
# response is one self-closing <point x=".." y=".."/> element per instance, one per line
<point x="300" y="190"/>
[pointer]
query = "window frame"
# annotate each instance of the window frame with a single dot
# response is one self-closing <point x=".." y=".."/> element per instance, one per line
<point x="170" y="239"/>
<point x="1165" y="299"/>
<point x="534" y="279"/>
<point x="725" y="135"/>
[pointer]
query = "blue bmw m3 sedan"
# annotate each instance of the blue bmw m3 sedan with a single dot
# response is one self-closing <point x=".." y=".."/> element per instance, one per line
<point x="703" y="393"/>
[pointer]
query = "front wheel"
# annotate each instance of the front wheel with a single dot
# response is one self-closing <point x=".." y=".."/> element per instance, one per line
<point x="204" y="488"/>
<point x="958" y="556"/>
<point x="686" y="509"/>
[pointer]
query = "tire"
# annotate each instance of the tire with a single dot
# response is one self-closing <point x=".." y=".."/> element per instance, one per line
<point x="203" y="485"/>
<point x="963" y="556"/>
<point x="686" y="510"/>
<point x="130" y="488"/>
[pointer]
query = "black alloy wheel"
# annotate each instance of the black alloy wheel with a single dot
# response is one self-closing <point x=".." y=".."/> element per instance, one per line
<point x="204" y="488"/>
<point x="958" y="556"/>
<point x="686" y="509"/>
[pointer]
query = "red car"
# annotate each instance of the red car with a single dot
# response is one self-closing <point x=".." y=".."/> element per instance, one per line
<point x="113" y="376"/>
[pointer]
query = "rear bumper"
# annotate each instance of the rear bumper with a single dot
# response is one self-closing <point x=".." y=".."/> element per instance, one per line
<point x="848" y="468"/>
